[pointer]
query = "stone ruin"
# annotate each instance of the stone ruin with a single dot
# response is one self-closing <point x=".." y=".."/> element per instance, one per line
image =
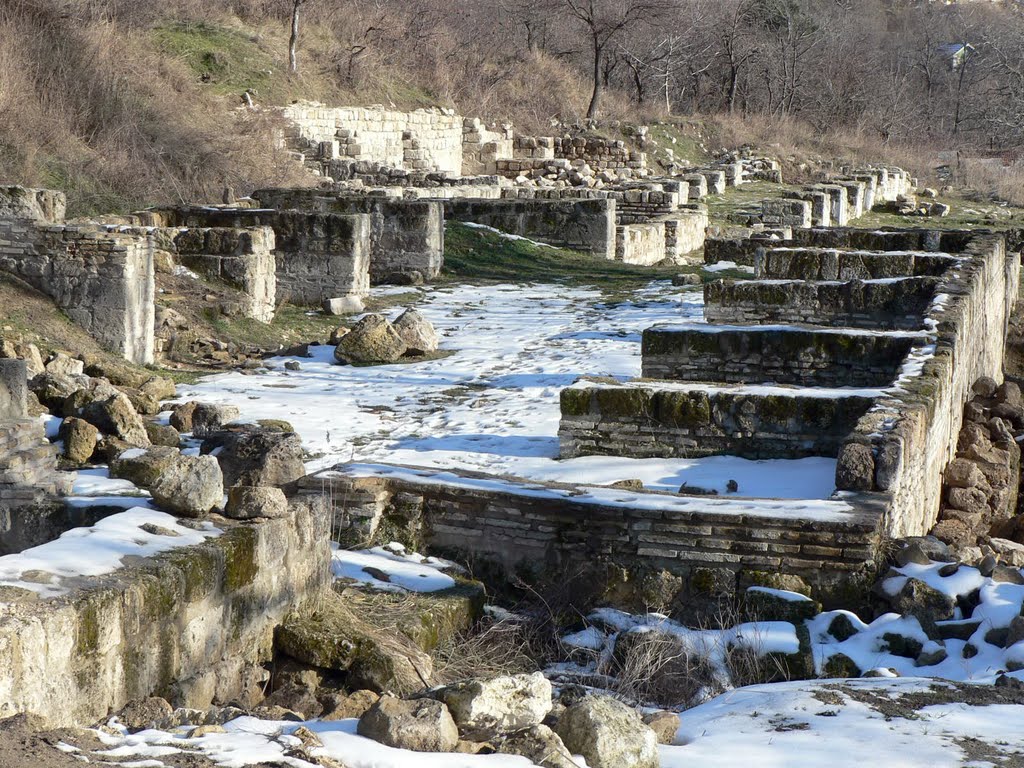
<point x="860" y="346"/>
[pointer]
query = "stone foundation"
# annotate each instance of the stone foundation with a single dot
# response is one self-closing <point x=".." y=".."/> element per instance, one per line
<point x="658" y="420"/>
<point x="890" y="304"/>
<point x="784" y="355"/>
<point x="102" y="280"/>
<point x="406" y="236"/>
<point x="190" y="625"/>
<point x="583" y="225"/>
<point x="546" y="533"/>
<point x="317" y="255"/>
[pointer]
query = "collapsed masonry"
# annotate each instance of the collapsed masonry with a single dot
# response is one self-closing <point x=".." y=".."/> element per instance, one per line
<point x="857" y="345"/>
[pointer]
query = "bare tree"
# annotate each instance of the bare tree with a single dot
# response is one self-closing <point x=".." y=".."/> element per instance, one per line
<point x="293" y="39"/>
<point x="603" y="22"/>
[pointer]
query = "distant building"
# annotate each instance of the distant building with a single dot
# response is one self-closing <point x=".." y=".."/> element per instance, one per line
<point x="957" y="54"/>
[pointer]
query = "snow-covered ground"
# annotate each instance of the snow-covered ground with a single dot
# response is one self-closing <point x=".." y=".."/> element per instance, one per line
<point x="492" y="405"/>
<point x="840" y="724"/>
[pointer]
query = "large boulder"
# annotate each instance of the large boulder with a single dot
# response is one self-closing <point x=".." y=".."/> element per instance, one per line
<point x="190" y="487"/>
<point x="246" y="502"/>
<point x="181" y="415"/>
<point x="163" y="434"/>
<point x="372" y="340"/>
<point x="144" y="467"/>
<point x="482" y="708"/>
<point x="331" y="636"/>
<point x="79" y="438"/>
<point x="417" y="332"/>
<point x="420" y="725"/>
<point x="52" y="389"/>
<point x="210" y="417"/>
<point x="64" y="365"/>
<point x="608" y="734"/>
<point x="252" y="456"/>
<point x="117" y="417"/>
<point x="540" y="745"/>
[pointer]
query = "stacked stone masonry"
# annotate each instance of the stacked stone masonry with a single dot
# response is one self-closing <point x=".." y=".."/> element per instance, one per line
<point x="102" y="280"/>
<point x="317" y="255"/>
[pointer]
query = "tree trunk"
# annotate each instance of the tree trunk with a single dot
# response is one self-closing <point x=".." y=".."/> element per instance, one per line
<point x="595" y="98"/>
<point x="293" y="41"/>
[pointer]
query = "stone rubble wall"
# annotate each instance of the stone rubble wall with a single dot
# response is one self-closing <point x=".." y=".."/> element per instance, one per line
<point x="807" y="358"/>
<point x="243" y="258"/>
<point x="425" y="139"/>
<point x="685" y="232"/>
<point x="43" y="206"/>
<point x="191" y="625"/>
<point x="547" y="532"/>
<point x="406" y="236"/>
<point x="104" y="281"/>
<point x="642" y="244"/>
<point x="317" y="255"/>
<point x="912" y="434"/>
<point x="661" y="421"/>
<point x="582" y="224"/>
<point x="823" y="264"/>
<point x="600" y="154"/>
<point x="893" y="304"/>
<point x="27" y="459"/>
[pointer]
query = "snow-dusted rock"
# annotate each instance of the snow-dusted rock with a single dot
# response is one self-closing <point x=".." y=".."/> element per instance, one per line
<point x="144" y="468"/>
<point x="246" y="502"/>
<point x="420" y="725"/>
<point x="506" y="703"/>
<point x="540" y="745"/>
<point x="117" y="416"/>
<point x="343" y="305"/>
<point x="372" y="340"/>
<point x="191" y="486"/>
<point x="608" y="734"/>
<point x="417" y="332"/>
<point x="208" y="417"/>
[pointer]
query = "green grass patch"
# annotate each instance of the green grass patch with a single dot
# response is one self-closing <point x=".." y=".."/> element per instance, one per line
<point x="722" y="207"/>
<point x="474" y="254"/>
<point x="228" y="59"/>
<point x="964" y="214"/>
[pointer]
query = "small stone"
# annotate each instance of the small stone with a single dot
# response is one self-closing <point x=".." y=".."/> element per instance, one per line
<point x="140" y="714"/>
<point x="64" y="365"/>
<point x="181" y="416"/>
<point x="79" y="438"/>
<point x="292" y="365"/>
<point x="664" y="724"/>
<point x="341" y="707"/>
<point x="1006" y="574"/>
<point x="417" y="332"/>
<point x="344" y="305"/>
<point x="962" y="473"/>
<point x="987" y="565"/>
<point x="630" y="484"/>
<point x="246" y="502"/>
<point x="985" y="387"/>
<point x="420" y="725"/>
<point x="205" y="730"/>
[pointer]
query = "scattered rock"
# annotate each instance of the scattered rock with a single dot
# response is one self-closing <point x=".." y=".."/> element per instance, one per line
<point x="181" y="416"/>
<point x="962" y="473"/>
<point x="191" y="486"/>
<point x="258" y="457"/>
<point x="686" y="278"/>
<point x="163" y="434"/>
<point x="64" y="365"/>
<point x="420" y="725"/>
<point x="208" y="417"/>
<point x="540" y="745"/>
<point x="506" y="703"/>
<point x="664" y="724"/>
<point x="371" y="340"/>
<point x="417" y="332"/>
<point x="297" y="698"/>
<point x="140" y="714"/>
<point x="117" y="416"/>
<point x="630" y="484"/>
<point x="144" y="467"/>
<point x="608" y="734"/>
<point x="292" y="365"/>
<point x="342" y="707"/>
<point x="344" y="305"/>
<point x="79" y="438"/>
<point x="246" y="502"/>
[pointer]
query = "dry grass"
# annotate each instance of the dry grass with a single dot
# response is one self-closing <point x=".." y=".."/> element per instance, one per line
<point x="505" y="646"/>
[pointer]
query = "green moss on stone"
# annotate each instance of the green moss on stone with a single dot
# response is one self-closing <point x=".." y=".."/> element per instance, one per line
<point x="575" y="401"/>
<point x="240" y="566"/>
<point x="622" y="401"/>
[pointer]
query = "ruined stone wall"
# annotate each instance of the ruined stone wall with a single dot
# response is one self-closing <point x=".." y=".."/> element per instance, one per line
<point x="599" y="154"/>
<point x="425" y="139"/>
<point x="406" y="236"/>
<point x="642" y="244"/>
<point x="911" y="436"/>
<point x="317" y="255"/>
<point x="658" y="420"/>
<point x="685" y="232"/>
<point x="888" y="304"/>
<point x="189" y="625"/>
<point x="27" y="460"/>
<point x="102" y="280"/>
<point x="783" y="355"/>
<point x="44" y="206"/>
<point x="585" y="225"/>
<point x="243" y="258"/>
<point x="538" y="530"/>
<point x="786" y="263"/>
